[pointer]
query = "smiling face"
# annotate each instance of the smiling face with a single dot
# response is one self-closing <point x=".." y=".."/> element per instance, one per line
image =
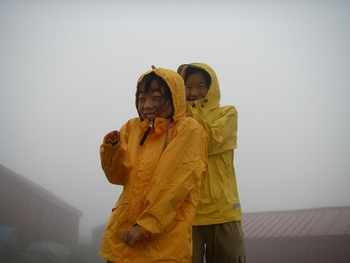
<point x="154" y="100"/>
<point x="196" y="87"/>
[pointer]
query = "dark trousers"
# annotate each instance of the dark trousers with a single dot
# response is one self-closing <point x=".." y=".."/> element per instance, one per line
<point x="218" y="243"/>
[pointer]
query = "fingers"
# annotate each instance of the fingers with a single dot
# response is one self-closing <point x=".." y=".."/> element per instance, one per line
<point x="113" y="135"/>
<point x="111" y="138"/>
<point x="130" y="237"/>
<point x="132" y="243"/>
<point x="126" y="238"/>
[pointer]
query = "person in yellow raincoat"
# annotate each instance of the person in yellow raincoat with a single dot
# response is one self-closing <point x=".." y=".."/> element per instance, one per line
<point x="159" y="158"/>
<point x="217" y="232"/>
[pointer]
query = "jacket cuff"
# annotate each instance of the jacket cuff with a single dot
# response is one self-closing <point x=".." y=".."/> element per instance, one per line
<point x="113" y="142"/>
<point x="145" y="233"/>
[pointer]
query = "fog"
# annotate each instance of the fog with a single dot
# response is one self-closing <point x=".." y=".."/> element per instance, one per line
<point x="68" y="71"/>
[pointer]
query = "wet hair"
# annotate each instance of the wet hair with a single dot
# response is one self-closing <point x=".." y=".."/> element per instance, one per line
<point x="166" y="100"/>
<point x="192" y="70"/>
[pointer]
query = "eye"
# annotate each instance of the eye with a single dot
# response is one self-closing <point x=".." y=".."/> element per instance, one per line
<point x="156" y="95"/>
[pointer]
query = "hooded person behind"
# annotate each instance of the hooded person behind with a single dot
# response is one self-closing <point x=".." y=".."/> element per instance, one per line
<point x="159" y="159"/>
<point x="218" y="217"/>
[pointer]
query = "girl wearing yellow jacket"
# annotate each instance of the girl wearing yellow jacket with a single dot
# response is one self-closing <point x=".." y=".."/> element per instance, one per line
<point x="159" y="158"/>
<point x="217" y="231"/>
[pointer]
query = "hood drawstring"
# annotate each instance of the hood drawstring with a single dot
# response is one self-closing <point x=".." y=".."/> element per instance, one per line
<point x="150" y="127"/>
<point x="166" y="131"/>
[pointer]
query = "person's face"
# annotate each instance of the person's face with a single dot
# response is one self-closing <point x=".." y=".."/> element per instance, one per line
<point x="196" y="87"/>
<point x="151" y="104"/>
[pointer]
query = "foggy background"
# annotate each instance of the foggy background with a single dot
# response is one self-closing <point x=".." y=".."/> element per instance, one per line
<point x="68" y="71"/>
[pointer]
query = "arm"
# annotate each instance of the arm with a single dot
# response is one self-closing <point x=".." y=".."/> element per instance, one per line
<point x="112" y="154"/>
<point x="175" y="180"/>
<point x="220" y="126"/>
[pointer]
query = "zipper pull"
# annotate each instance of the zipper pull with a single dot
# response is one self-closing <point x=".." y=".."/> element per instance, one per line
<point x="150" y="127"/>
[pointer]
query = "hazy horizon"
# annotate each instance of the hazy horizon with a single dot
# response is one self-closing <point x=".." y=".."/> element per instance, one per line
<point x="69" y="71"/>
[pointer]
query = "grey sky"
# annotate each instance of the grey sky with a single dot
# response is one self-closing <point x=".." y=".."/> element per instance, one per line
<point x="68" y="71"/>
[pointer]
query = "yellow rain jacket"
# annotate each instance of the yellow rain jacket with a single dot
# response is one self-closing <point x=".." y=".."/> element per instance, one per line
<point x="218" y="199"/>
<point x="161" y="180"/>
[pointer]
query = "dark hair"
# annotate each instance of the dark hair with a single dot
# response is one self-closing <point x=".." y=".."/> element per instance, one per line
<point x="192" y="70"/>
<point x="166" y="95"/>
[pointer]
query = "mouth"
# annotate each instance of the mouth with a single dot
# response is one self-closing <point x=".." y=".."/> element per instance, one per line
<point x="150" y="116"/>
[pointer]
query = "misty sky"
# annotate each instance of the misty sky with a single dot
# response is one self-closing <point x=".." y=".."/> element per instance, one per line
<point x="68" y="71"/>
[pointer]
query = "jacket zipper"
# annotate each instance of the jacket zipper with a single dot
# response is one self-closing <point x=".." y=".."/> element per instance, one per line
<point x="150" y="127"/>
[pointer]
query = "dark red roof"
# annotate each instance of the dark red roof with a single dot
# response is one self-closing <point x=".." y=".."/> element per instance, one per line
<point x="328" y="221"/>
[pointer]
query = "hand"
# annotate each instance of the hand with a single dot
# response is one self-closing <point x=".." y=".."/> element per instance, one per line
<point x="111" y="137"/>
<point x="132" y="235"/>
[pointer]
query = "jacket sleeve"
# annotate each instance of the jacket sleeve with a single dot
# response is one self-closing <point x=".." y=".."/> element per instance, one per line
<point x="220" y="126"/>
<point x="176" y="180"/>
<point x="113" y="159"/>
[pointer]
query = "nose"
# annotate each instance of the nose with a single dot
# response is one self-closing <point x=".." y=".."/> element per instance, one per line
<point x="194" y="93"/>
<point x="148" y="104"/>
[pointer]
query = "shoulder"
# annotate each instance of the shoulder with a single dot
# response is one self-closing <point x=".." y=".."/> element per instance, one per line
<point x="131" y="123"/>
<point x="222" y="113"/>
<point x="189" y="124"/>
<point x="228" y="109"/>
<point x="134" y="121"/>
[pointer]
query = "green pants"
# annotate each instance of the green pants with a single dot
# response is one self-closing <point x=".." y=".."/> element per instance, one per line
<point x="218" y="243"/>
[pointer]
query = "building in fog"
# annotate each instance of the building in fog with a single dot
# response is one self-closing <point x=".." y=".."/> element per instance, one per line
<point x="35" y="213"/>
<point x="305" y="236"/>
